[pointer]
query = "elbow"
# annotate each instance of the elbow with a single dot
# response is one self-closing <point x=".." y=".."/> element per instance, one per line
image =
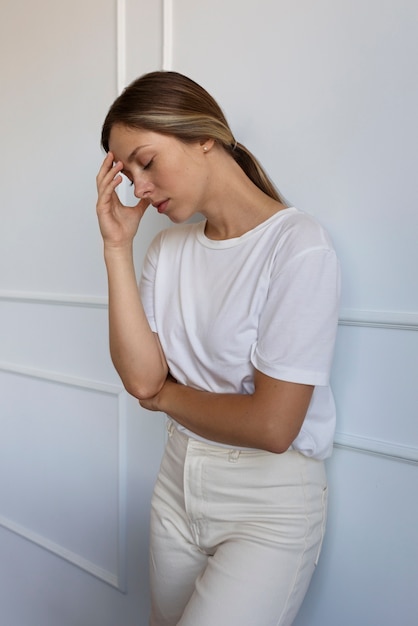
<point x="144" y="390"/>
<point x="277" y="447"/>
<point x="140" y="384"/>
<point x="278" y="438"/>
<point x="143" y="387"/>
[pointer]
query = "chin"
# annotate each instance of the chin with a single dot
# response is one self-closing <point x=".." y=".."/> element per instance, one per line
<point x="176" y="219"/>
<point x="185" y="218"/>
<point x="184" y="215"/>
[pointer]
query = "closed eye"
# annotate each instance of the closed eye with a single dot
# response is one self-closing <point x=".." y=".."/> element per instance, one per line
<point x="144" y="167"/>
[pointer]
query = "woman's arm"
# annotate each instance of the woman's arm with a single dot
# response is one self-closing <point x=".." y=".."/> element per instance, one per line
<point x="135" y="349"/>
<point x="269" y="419"/>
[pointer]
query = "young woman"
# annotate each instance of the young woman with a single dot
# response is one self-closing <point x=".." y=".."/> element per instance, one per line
<point x="231" y="334"/>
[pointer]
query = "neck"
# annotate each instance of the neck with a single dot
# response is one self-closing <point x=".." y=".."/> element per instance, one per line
<point x="237" y="206"/>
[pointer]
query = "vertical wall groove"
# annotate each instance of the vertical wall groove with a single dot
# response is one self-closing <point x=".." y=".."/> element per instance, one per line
<point x="167" y="34"/>
<point x="120" y="45"/>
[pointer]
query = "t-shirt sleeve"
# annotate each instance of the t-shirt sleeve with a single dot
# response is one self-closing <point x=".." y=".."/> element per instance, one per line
<point x="298" y="324"/>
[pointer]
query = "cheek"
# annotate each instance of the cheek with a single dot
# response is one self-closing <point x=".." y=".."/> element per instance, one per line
<point x="184" y="180"/>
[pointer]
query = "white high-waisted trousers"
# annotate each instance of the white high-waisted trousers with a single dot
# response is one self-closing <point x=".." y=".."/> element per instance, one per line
<point x="235" y="535"/>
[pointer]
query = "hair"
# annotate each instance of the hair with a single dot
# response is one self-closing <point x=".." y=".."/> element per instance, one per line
<point x="169" y="103"/>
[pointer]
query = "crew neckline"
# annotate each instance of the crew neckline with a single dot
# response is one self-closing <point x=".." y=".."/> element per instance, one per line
<point x="235" y="241"/>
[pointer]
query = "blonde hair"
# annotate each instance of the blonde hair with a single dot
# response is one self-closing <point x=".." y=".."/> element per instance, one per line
<point x="172" y="104"/>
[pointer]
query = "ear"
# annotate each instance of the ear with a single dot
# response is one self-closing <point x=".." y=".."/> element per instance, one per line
<point x="207" y="144"/>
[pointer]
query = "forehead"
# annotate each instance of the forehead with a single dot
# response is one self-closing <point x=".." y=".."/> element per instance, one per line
<point x="123" y="139"/>
<point x="127" y="143"/>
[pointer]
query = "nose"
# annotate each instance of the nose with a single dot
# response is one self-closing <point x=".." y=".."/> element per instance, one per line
<point x="142" y="186"/>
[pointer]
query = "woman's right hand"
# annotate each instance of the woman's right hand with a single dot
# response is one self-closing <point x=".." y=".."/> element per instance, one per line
<point x="118" y="223"/>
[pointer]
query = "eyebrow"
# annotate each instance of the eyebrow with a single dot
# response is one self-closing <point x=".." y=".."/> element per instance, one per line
<point x="134" y="152"/>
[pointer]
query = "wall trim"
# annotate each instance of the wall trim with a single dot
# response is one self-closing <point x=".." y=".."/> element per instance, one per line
<point x="168" y="24"/>
<point x="377" y="447"/>
<point x="63" y="379"/>
<point x="401" y="320"/>
<point x="118" y="579"/>
<point x="56" y="299"/>
<point x="58" y="550"/>
<point x="120" y="45"/>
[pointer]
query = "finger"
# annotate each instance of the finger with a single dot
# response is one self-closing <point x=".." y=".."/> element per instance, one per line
<point x="109" y="183"/>
<point x="105" y="167"/>
<point x="142" y="205"/>
<point x="106" y="175"/>
<point x="108" y="199"/>
<point x="108" y="170"/>
<point x="144" y="202"/>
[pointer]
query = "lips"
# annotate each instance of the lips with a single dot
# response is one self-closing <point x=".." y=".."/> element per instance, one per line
<point x="161" y="206"/>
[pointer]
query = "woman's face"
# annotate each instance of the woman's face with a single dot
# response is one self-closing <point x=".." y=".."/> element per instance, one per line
<point x="172" y="174"/>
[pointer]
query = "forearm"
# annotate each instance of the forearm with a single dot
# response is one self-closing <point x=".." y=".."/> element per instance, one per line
<point x="134" y="348"/>
<point x="224" y="418"/>
<point x="268" y="419"/>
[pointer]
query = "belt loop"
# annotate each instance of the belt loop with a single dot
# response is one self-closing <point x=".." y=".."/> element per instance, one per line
<point x="234" y="456"/>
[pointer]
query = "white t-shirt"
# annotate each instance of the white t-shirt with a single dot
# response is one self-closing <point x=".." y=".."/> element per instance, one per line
<point x="266" y="300"/>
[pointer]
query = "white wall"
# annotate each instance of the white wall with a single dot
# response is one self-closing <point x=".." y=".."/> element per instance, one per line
<point x="325" y="93"/>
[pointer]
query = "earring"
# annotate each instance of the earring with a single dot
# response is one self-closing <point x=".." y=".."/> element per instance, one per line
<point x="205" y="148"/>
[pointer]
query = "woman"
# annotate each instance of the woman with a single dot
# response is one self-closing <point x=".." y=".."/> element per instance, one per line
<point x="231" y="335"/>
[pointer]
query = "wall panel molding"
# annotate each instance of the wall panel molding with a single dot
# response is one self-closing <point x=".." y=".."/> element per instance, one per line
<point x="57" y="299"/>
<point x="63" y="379"/>
<point x="168" y="27"/>
<point x="62" y="552"/>
<point x="120" y="45"/>
<point x="115" y="579"/>
<point x="401" y="320"/>
<point x="377" y="447"/>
